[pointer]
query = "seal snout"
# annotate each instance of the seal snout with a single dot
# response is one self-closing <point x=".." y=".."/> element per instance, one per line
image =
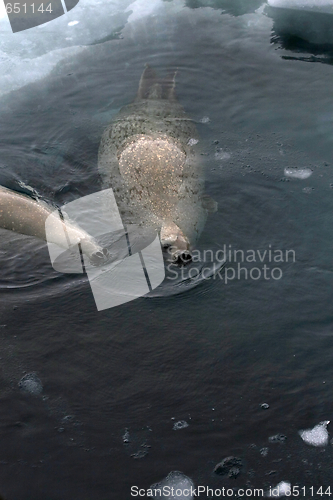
<point x="176" y="243"/>
<point x="182" y="257"/>
<point x="99" y="257"/>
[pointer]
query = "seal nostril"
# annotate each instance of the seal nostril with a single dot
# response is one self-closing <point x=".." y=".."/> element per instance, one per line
<point x="99" y="257"/>
<point x="182" y="257"/>
<point x="185" y="257"/>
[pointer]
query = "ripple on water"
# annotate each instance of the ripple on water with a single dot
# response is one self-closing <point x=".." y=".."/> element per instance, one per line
<point x="180" y="279"/>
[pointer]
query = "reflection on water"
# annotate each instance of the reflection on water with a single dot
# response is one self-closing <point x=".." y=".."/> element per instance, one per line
<point x="303" y="32"/>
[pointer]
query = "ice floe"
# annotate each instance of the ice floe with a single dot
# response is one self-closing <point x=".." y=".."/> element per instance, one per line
<point x="31" y="383"/>
<point x="175" y="485"/>
<point x="318" y="436"/>
<point x="298" y="173"/>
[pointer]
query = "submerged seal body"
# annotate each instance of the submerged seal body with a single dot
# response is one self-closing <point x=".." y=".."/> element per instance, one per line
<point x="147" y="155"/>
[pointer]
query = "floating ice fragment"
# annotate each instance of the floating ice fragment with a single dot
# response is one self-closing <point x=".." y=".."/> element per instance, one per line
<point x="73" y="23"/>
<point x="280" y="490"/>
<point x="229" y="465"/>
<point x="221" y="155"/>
<point x="31" y="383"/>
<point x="192" y="142"/>
<point x="318" y="436"/>
<point x="140" y="454"/>
<point x="308" y="190"/>
<point x="181" y="424"/>
<point x="205" y="119"/>
<point x="126" y="436"/>
<point x="68" y="418"/>
<point x="298" y="173"/>
<point x="278" y="438"/>
<point x="180" y="483"/>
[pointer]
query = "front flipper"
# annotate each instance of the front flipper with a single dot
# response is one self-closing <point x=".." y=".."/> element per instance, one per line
<point x="209" y="204"/>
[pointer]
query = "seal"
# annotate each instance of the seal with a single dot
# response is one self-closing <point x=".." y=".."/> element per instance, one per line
<point x="148" y="156"/>
<point x="25" y="215"/>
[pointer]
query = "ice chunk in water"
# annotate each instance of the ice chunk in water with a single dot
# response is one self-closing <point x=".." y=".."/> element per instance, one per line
<point x="318" y="436"/>
<point x="280" y="490"/>
<point x="298" y="173"/>
<point x="221" y="155"/>
<point x="180" y="425"/>
<point x="31" y="383"/>
<point x="180" y="483"/>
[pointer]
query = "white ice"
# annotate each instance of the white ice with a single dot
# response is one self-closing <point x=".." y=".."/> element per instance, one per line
<point x="2" y="10"/>
<point x="309" y="5"/>
<point x="142" y="8"/>
<point x="222" y="155"/>
<point x="30" y="55"/>
<point x="181" y="424"/>
<point x="298" y="173"/>
<point x="180" y="483"/>
<point x="31" y="383"/>
<point x="318" y="436"/>
<point x="279" y="490"/>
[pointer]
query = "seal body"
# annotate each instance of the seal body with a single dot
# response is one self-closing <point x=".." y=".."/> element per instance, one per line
<point x="148" y="156"/>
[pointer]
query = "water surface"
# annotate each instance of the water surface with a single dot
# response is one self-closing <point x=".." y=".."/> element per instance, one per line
<point x="212" y="354"/>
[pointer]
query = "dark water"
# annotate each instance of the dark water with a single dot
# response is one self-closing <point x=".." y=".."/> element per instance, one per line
<point x="212" y="354"/>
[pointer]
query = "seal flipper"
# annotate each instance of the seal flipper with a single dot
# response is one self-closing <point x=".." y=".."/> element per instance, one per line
<point x="24" y="215"/>
<point x="209" y="204"/>
<point x="151" y="87"/>
<point x="169" y="86"/>
<point x="147" y="81"/>
<point x="155" y="91"/>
